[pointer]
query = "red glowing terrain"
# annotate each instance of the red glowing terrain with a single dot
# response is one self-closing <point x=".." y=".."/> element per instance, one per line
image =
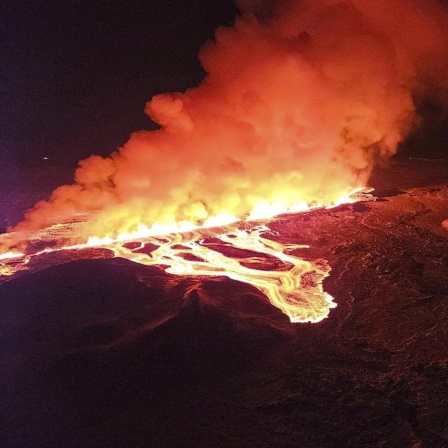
<point x="106" y="348"/>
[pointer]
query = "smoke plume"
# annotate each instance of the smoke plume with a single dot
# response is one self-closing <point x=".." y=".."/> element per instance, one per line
<point x="299" y="101"/>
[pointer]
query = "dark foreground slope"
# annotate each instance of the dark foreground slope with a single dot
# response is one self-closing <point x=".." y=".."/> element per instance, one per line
<point x="106" y="353"/>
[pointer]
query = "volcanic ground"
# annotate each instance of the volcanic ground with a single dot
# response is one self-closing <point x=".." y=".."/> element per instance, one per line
<point x="104" y="352"/>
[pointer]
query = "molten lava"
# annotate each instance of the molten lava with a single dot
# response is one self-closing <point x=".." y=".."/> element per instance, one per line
<point x="298" y="103"/>
<point x="241" y="251"/>
<point x="295" y="287"/>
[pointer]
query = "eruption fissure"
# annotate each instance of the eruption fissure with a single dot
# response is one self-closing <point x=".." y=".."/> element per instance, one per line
<point x="299" y="100"/>
<point x="241" y="251"/>
<point x="295" y="287"/>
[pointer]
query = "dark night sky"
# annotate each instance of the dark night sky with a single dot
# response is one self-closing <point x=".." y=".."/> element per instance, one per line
<point x="75" y="76"/>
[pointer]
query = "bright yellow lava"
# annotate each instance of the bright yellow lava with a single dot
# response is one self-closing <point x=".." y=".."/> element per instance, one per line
<point x="293" y="285"/>
<point x="295" y="288"/>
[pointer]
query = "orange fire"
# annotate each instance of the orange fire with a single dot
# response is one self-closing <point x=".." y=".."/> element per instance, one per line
<point x="297" y="105"/>
<point x="244" y="253"/>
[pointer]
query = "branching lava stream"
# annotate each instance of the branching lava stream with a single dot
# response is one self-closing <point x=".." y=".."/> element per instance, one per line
<point x="295" y="288"/>
<point x="291" y="284"/>
<point x="241" y="251"/>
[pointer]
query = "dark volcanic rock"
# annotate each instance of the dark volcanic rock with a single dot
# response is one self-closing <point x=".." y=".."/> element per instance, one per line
<point x="107" y="353"/>
<point x="85" y="343"/>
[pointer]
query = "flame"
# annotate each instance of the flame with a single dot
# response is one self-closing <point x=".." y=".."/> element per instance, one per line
<point x="10" y="254"/>
<point x="299" y="100"/>
<point x="294" y="286"/>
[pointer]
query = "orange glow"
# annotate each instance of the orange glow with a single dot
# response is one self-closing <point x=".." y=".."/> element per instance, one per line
<point x="296" y="288"/>
<point x="11" y="262"/>
<point x="10" y="255"/>
<point x="297" y="105"/>
<point x="291" y="284"/>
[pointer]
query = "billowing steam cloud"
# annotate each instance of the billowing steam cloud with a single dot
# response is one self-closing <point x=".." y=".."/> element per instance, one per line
<point x="300" y="99"/>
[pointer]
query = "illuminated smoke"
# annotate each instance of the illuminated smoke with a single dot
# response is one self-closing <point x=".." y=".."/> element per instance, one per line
<point x="300" y="99"/>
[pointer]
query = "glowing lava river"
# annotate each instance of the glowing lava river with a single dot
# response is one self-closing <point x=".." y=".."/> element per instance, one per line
<point x="243" y="251"/>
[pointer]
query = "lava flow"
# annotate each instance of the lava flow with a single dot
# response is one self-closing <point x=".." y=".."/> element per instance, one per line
<point x="292" y="284"/>
<point x="240" y="251"/>
<point x="299" y="101"/>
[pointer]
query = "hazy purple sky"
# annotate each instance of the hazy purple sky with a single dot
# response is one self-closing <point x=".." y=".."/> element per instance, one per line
<point x="75" y="75"/>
